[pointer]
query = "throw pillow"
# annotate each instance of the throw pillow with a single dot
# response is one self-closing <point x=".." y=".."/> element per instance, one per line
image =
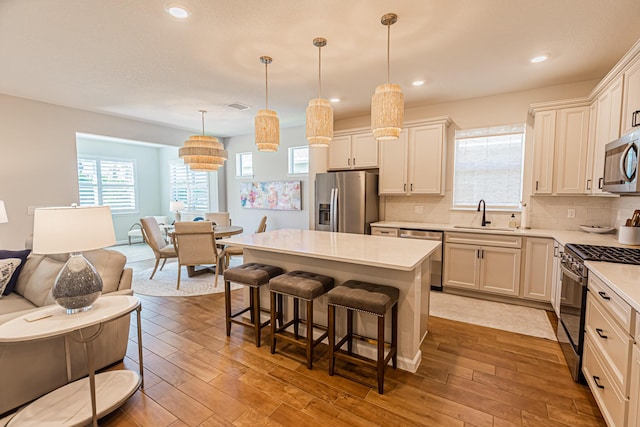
<point x="22" y="255"/>
<point x="7" y="267"/>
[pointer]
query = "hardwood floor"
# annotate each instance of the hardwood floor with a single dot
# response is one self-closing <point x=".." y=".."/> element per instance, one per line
<point x="469" y="376"/>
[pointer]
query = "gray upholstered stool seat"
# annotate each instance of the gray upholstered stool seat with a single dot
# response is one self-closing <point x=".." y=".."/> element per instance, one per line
<point x="369" y="298"/>
<point x="300" y="285"/>
<point x="253" y="275"/>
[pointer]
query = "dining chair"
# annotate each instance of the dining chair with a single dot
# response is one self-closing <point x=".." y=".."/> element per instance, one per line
<point x="153" y="237"/>
<point x="195" y="243"/>
<point x="230" y="251"/>
<point x="219" y="218"/>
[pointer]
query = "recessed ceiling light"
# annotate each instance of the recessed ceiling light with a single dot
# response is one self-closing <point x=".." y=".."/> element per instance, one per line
<point x="334" y="100"/>
<point x="539" y="58"/>
<point x="177" y="11"/>
<point x="418" y="83"/>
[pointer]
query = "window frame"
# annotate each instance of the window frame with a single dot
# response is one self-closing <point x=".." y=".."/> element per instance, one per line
<point x="489" y="132"/>
<point x="189" y="188"/>
<point x="291" y="160"/>
<point x="239" y="165"/>
<point x="100" y="186"/>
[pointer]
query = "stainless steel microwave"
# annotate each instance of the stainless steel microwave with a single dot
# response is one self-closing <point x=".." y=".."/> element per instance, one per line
<point x="621" y="164"/>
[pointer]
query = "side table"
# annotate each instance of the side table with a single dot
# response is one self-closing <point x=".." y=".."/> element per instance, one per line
<point x="69" y="405"/>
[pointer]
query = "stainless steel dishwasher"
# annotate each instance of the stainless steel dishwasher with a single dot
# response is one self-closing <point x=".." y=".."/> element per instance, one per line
<point x="436" y="257"/>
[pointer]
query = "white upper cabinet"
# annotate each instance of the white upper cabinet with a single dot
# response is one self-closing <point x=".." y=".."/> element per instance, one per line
<point x="415" y="163"/>
<point x="561" y="142"/>
<point x="357" y="151"/>
<point x="631" y="102"/>
<point x="604" y="128"/>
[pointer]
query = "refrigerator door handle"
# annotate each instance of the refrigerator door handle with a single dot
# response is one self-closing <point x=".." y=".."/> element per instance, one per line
<point x="334" y="209"/>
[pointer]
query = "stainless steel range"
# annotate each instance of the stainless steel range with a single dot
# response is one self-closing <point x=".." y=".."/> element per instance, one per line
<point x="570" y="331"/>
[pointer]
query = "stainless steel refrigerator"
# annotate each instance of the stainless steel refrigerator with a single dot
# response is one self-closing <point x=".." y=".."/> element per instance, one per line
<point x="346" y="202"/>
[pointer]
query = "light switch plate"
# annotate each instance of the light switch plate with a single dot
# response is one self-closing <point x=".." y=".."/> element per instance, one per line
<point x="571" y="213"/>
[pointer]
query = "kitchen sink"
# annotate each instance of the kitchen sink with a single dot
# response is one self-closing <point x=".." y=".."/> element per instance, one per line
<point x="479" y="227"/>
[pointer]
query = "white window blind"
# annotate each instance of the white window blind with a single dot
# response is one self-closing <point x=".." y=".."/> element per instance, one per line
<point x="244" y="164"/>
<point x="108" y="182"/>
<point x="189" y="187"/>
<point x="488" y="165"/>
<point x="298" y="160"/>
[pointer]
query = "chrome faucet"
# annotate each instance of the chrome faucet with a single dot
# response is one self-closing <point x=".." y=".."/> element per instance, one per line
<point x="484" y="208"/>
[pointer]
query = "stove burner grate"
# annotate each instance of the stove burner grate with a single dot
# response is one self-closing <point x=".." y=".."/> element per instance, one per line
<point x="607" y="253"/>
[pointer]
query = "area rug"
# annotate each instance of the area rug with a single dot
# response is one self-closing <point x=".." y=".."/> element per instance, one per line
<point x="164" y="282"/>
<point x="508" y="317"/>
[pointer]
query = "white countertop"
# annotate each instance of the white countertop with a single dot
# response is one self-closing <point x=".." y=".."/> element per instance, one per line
<point x="377" y="251"/>
<point x="562" y="236"/>
<point x="624" y="279"/>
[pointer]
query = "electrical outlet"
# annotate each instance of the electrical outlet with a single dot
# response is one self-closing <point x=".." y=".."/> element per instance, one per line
<point x="419" y="209"/>
<point x="571" y="213"/>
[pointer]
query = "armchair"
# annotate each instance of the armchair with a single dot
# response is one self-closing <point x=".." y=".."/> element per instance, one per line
<point x="230" y="251"/>
<point x="153" y="237"/>
<point x="195" y="243"/>
<point x="219" y="218"/>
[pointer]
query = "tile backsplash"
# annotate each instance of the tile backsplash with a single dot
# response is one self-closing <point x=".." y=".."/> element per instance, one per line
<point x="551" y="212"/>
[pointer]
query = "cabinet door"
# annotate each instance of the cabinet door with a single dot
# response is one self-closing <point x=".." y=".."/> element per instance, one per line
<point x="364" y="151"/>
<point x="557" y="278"/>
<point x="340" y="153"/>
<point x="571" y="147"/>
<point x="538" y="269"/>
<point x="427" y="159"/>
<point x="461" y="266"/>
<point x="500" y="270"/>
<point x="634" y="393"/>
<point x="631" y="94"/>
<point x="606" y="128"/>
<point x="543" y="146"/>
<point x="393" y="165"/>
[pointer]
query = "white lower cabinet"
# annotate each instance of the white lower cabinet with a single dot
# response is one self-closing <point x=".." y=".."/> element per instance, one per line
<point x="634" y="392"/>
<point x="489" y="263"/>
<point x="538" y="269"/>
<point x="556" y="287"/>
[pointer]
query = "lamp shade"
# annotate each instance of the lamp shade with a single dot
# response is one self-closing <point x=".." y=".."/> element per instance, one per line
<point x="3" y="213"/>
<point x="267" y="130"/>
<point x="319" y="122"/>
<point x="176" y="205"/>
<point x="387" y="111"/>
<point x="58" y="230"/>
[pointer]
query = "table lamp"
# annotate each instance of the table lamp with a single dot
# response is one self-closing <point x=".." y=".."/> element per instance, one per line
<point x="3" y="213"/>
<point x="73" y="229"/>
<point x="176" y="206"/>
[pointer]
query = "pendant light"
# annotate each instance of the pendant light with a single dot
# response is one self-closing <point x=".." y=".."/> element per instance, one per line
<point x="387" y="103"/>
<point x="319" y="111"/>
<point x="267" y="123"/>
<point x="203" y="153"/>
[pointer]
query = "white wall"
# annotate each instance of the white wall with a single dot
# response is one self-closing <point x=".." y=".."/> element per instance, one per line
<point x="38" y="156"/>
<point x="266" y="167"/>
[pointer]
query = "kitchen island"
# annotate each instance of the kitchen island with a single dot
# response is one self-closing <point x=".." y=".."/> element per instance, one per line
<point x="402" y="263"/>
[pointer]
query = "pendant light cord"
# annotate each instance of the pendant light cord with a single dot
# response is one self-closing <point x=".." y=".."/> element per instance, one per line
<point x="388" y="50"/>
<point x="319" y="71"/>
<point x="266" y="85"/>
<point x="202" y="113"/>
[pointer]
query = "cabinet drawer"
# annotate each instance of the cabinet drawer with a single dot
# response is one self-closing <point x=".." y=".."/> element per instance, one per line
<point x="637" y="328"/>
<point x="611" y="402"/>
<point x="482" y="239"/>
<point x="611" y="340"/>
<point x="616" y="306"/>
<point x="384" y="231"/>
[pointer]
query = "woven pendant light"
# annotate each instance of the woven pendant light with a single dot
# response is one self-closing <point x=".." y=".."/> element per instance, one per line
<point x="202" y="152"/>
<point x="319" y="111"/>
<point x="387" y="103"/>
<point x="266" y="122"/>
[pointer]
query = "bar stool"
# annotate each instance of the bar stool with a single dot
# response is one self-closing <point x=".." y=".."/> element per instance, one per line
<point x="300" y="285"/>
<point x="367" y="298"/>
<point x="254" y="275"/>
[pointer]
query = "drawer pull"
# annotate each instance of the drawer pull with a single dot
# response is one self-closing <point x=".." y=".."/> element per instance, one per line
<point x="599" y="331"/>
<point x="595" y="380"/>
<point x="604" y="296"/>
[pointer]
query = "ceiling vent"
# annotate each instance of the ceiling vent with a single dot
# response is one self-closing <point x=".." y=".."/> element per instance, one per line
<point x="238" y="106"/>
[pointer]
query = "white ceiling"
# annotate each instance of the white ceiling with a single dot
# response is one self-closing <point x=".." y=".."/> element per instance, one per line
<point x="130" y="58"/>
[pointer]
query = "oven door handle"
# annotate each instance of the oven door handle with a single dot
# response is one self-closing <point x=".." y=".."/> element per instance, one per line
<point x="572" y="275"/>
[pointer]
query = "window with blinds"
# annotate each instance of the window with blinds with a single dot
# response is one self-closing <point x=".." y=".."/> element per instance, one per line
<point x="189" y="187"/>
<point x="488" y="165"/>
<point x="108" y="182"/>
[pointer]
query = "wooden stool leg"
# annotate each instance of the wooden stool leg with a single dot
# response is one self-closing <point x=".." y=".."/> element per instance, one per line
<point x="252" y="304"/>
<point x="310" y="334"/>
<point x="256" y="313"/>
<point x="274" y="315"/>
<point x="227" y="305"/>
<point x="280" y="310"/>
<point x="350" y="331"/>
<point x="331" y="323"/>
<point x="380" y="364"/>
<point x="296" y="317"/>
<point x="394" y="335"/>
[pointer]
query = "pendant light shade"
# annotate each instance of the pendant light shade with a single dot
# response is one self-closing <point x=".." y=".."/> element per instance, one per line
<point x="202" y="152"/>
<point x="267" y="123"/>
<point x="319" y="111"/>
<point x="387" y="103"/>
